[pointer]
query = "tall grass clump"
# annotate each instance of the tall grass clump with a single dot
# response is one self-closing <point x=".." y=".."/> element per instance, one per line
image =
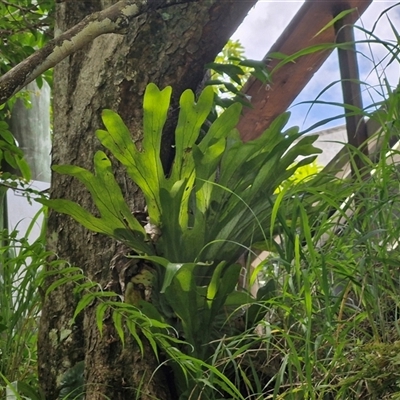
<point x="325" y="321"/>
<point x="21" y="262"/>
<point x="334" y="316"/>
<point x="327" y="325"/>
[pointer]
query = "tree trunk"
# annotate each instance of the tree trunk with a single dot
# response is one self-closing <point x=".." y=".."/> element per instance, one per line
<point x="168" y="47"/>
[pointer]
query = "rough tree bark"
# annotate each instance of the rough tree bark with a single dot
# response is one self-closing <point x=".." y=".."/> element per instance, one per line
<point x="116" y="18"/>
<point x="167" y="47"/>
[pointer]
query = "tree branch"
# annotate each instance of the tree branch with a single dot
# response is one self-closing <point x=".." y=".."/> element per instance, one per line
<point x="114" y="19"/>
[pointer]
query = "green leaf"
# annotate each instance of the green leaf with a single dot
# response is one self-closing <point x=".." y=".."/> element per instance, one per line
<point x="229" y="280"/>
<point x="267" y="291"/>
<point x="231" y="88"/>
<point x="256" y="312"/>
<point x="171" y="270"/>
<point x="286" y="59"/>
<point x="227" y="284"/>
<point x="117" y="319"/>
<point x="155" y="259"/>
<point x="6" y="134"/>
<point x="222" y="126"/>
<point x="143" y="167"/>
<point x="262" y="75"/>
<point x="213" y="287"/>
<point x="153" y="317"/>
<point x="333" y="21"/>
<point x="132" y="329"/>
<point x="238" y="299"/>
<point x="28" y="391"/>
<point x="181" y="295"/>
<point x="63" y="281"/>
<point x="116" y="219"/>
<point x="150" y="337"/>
<point x="173" y="218"/>
<point x="214" y="82"/>
<point x="155" y="108"/>
<point x="83" y="303"/>
<point x="233" y="71"/>
<point x="100" y="311"/>
<point x="10" y="159"/>
<point x="24" y="168"/>
<point x="191" y="118"/>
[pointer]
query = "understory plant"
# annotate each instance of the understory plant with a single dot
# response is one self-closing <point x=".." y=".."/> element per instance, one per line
<point x="333" y="321"/>
<point x="330" y="330"/>
<point x="201" y="217"/>
<point x="21" y="263"/>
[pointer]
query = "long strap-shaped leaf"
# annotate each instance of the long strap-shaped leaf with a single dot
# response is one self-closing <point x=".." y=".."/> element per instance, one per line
<point x="192" y="116"/>
<point x="249" y="175"/>
<point x="144" y="167"/>
<point x="115" y="219"/>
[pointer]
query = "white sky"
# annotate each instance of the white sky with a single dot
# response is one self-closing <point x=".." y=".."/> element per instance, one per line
<point x="267" y="20"/>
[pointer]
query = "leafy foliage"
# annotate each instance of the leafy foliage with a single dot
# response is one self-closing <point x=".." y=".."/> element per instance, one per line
<point x="215" y="189"/>
<point x="12" y="155"/>
<point x="71" y="384"/>
<point x="20" y="303"/>
<point x="229" y="72"/>
<point x="25" y="26"/>
<point x="211" y="207"/>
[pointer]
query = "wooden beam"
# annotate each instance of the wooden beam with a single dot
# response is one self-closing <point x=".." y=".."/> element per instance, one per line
<point x="268" y="101"/>
<point x="356" y="127"/>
